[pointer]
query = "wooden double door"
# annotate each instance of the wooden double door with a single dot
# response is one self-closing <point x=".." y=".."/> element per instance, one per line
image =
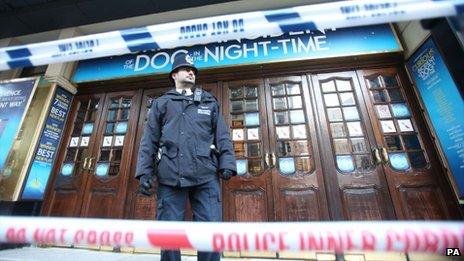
<point x="334" y="146"/>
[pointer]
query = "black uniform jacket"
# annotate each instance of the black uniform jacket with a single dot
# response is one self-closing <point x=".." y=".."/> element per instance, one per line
<point x="182" y="132"/>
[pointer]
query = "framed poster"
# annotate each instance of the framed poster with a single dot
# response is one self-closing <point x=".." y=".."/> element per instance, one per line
<point x="444" y="105"/>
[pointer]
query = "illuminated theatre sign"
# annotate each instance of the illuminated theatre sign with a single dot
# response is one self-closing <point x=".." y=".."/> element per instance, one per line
<point x="287" y="47"/>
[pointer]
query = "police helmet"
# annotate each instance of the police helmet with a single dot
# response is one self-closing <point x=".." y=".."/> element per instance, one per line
<point x="182" y="60"/>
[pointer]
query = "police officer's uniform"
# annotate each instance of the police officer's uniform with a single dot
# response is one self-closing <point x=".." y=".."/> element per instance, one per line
<point x="193" y="143"/>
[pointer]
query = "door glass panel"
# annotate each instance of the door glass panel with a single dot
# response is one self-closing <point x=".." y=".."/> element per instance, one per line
<point x="331" y="100"/>
<point x="417" y="159"/>
<point x="102" y="169"/>
<point x="237" y="120"/>
<point x="284" y="148"/>
<point x="112" y="144"/>
<point x="238" y="134"/>
<point x="351" y="113"/>
<point x="379" y="96"/>
<point x="345" y="164"/>
<point x="359" y="145"/>
<point x="83" y="129"/>
<point x="390" y="81"/>
<point x="126" y="103"/>
<point x="293" y="89"/>
<point x="343" y="85"/>
<point x="252" y="119"/>
<point x="348" y="139"/>
<point x="250" y="92"/>
<point x="246" y="129"/>
<point x="236" y="93"/>
<point x="363" y="162"/>
<point x="388" y="126"/>
<point x="402" y="140"/>
<point x="105" y="154"/>
<point x="395" y="95"/>
<point x="114" y="104"/>
<point x="411" y="142"/>
<point x="299" y="131"/>
<point x="342" y="146"/>
<point x="374" y="83"/>
<point x="112" y="115"/>
<point x="121" y="127"/>
<point x="383" y="111"/>
<point x="239" y="148"/>
<point x="328" y="86"/>
<point x="297" y="116"/>
<point x="334" y="114"/>
<point x="295" y="102"/>
<point x="405" y="125"/>
<point x="300" y="147"/>
<point x="109" y="128"/>
<point x="393" y="142"/>
<point x="124" y="115"/>
<point x="251" y="105"/>
<point x="87" y="129"/>
<point x="286" y="166"/>
<point x="253" y="134"/>
<point x="281" y="117"/>
<point x="354" y="128"/>
<point x="283" y="132"/>
<point x="280" y="103"/>
<point x="242" y="167"/>
<point x="338" y="130"/>
<point x="278" y="90"/>
<point x="303" y="164"/>
<point x="255" y="166"/>
<point x="400" y="110"/>
<point x="292" y="140"/>
<point x="347" y="99"/>
<point x="71" y="154"/>
<point x="67" y="169"/>
<point x="398" y="161"/>
<point x="237" y="106"/>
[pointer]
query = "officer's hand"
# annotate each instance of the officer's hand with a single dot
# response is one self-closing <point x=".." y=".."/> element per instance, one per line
<point x="146" y="184"/>
<point x="226" y="174"/>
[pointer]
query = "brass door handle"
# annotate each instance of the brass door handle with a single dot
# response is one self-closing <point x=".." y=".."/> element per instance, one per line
<point x="86" y="162"/>
<point x="384" y="154"/>
<point x="376" y="155"/>
<point x="273" y="160"/>
<point x="266" y="160"/>
<point x="90" y="163"/>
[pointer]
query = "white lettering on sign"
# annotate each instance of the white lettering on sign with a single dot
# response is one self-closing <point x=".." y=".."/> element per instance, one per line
<point x="241" y="50"/>
<point x="9" y="93"/>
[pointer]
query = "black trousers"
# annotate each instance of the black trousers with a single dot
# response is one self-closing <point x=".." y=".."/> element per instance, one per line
<point x="205" y="200"/>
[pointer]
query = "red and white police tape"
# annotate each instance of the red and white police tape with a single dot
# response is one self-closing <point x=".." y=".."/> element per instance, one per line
<point x="338" y="236"/>
<point x="247" y="25"/>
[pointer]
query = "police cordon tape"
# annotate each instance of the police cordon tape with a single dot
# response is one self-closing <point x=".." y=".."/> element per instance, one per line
<point x="227" y="27"/>
<point x="338" y="236"/>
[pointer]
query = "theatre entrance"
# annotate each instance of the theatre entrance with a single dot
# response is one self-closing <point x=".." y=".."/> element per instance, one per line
<point x="349" y="145"/>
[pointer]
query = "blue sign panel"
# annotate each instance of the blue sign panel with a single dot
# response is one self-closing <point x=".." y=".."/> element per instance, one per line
<point x="14" y="98"/>
<point x="45" y="155"/>
<point x="287" y="47"/>
<point x="444" y="105"/>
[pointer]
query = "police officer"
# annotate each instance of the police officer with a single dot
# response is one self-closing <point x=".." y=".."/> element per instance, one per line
<point x="185" y="147"/>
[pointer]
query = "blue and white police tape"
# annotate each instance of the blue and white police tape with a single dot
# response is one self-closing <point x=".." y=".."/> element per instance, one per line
<point x="227" y="27"/>
<point x="384" y="236"/>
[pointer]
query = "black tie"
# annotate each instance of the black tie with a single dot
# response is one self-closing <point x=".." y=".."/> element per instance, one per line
<point x="184" y="92"/>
